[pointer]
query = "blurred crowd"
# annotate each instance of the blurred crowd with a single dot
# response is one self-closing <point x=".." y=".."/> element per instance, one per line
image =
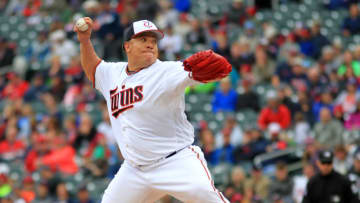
<point x="303" y="87"/>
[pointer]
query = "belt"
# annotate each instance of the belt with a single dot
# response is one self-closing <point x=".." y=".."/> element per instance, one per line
<point x="174" y="152"/>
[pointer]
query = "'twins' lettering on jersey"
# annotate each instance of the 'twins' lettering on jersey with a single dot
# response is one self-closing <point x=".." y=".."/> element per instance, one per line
<point x="124" y="99"/>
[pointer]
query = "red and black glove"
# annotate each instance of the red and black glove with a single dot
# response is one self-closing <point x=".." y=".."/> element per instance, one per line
<point x="205" y="66"/>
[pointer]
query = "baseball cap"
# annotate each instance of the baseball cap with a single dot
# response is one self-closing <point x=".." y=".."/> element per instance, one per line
<point x="326" y="156"/>
<point x="139" y="27"/>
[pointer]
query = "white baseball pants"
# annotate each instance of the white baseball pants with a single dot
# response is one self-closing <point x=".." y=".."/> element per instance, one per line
<point x="184" y="176"/>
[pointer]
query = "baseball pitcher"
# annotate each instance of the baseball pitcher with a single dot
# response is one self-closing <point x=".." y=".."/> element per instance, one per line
<point x="145" y="100"/>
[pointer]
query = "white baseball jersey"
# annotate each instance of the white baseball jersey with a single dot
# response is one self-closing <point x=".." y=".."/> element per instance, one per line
<point x="146" y="109"/>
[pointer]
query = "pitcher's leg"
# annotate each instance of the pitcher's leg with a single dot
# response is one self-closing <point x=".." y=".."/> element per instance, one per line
<point x="186" y="177"/>
<point x="129" y="186"/>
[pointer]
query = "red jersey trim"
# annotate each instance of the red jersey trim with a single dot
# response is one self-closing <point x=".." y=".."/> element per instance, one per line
<point x="207" y="174"/>
<point x="132" y="72"/>
<point x="94" y="72"/>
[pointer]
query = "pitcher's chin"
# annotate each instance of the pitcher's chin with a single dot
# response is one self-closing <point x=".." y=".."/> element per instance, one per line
<point x="149" y="59"/>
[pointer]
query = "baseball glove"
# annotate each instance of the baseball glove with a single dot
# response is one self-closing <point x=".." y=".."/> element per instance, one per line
<point x="205" y="66"/>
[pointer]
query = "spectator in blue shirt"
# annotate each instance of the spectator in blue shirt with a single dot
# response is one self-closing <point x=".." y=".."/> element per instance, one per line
<point x="225" y="97"/>
<point x="352" y="23"/>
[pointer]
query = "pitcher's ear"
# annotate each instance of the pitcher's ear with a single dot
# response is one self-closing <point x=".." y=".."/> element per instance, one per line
<point x="126" y="46"/>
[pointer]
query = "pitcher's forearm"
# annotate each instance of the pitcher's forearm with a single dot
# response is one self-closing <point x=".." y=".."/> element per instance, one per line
<point x="89" y="59"/>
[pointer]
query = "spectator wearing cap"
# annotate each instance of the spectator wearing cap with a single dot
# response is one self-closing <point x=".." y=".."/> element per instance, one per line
<point x="248" y="98"/>
<point x="225" y="97"/>
<point x="7" y="53"/>
<point x="62" y="47"/>
<point x="351" y="24"/>
<point x="328" y="132"/>
<point x="282" y="184"/>
<point x="258" y="183"/>
<point x="274" y="112"/>
<point x="277" y="138"/>
<point x="328" y="185"/>
<point x="354" y="175"/>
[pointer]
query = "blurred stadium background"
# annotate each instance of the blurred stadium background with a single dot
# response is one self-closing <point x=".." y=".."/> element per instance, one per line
<point x="294" y="90"/>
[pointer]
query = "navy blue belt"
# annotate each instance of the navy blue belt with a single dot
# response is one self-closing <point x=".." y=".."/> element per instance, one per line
<point x="173" y="153"/>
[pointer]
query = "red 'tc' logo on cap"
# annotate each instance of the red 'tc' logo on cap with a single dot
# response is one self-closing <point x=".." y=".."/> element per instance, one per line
<point x="147" y="24"/>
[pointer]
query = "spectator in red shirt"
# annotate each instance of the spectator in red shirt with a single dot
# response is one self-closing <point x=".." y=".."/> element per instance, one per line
<point x="27" y="192"/>
<point x="61" y="157"/>
<point x="40" y="149"/>
<point x="16" y="87"/>
<point x="11" y="148"/>
<point x="274" y="112"/>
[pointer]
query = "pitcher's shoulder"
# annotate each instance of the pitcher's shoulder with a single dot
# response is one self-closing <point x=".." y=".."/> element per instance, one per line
<point x="168" y="65"/>
<point x="113" y="66"/>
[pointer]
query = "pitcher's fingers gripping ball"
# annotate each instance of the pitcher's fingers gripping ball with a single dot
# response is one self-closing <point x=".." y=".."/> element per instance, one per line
<point x="206" y="66"/>
<point x="81" y="24"/>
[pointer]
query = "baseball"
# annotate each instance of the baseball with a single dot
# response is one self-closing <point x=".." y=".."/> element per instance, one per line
<point x="81" y="25"/>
